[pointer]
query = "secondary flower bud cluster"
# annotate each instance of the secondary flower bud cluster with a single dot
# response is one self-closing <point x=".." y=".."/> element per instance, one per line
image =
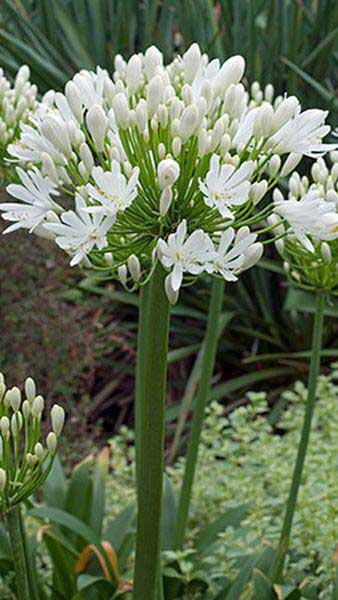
<point x="25" y="459"/>
<point x="17" y="104"/>
<point x="154" y="158"/>
<point x="310" y="228"/>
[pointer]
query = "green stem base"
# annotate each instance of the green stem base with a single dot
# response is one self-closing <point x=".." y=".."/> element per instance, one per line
<point x="20" y="565"/>
<point x="278" y="565"/>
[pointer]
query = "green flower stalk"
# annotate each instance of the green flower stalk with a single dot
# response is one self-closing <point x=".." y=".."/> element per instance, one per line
<point x="310" y="257"/>
<point x="25" y="462"/>
<point x="154" y="176"/>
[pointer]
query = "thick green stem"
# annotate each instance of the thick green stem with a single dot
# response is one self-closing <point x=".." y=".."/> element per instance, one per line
<point x="19" y="559"/>
<point x="278" y="565"/>
<point x="152" y="371"/>
<point x="208" y="361"/>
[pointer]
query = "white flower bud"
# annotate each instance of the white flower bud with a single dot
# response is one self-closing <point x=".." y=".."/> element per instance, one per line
<point x="162" y="115"/>
<point x="165" y="200"/>
<point x="242" y="233"/>
<point x="291" y="163"/>
<point x="252" y="256"/>
<point x="275" y="222"/>
<point x="56" y="132"/>
<point x="97" y="123"/>
<point x="51" y="442"/>
<point x="230" y="73"/>
<point x="14" y="398"/>
<point x="74" y="100"/>
<point x="4" y="425"/>
<point x="168" y="171"/>
<point x="31" y="460"/>
<point x="153" y="58"/>
<point x="203" y="143"/>
<point x="58" y="418"/>
<point x="87" y="157"/>
<point x="16" y="423"/>
<point x="134" y="73"/>
<point x="274" y="165"/>
<point x="269" y="92"/>
<point x="38" y="450"/>
<point x="191" y="61"/>
<point x="284" y="112"/>
<point x="280" y="246"/>
<point x="3" y="479"/>
<point x="122" y="274"/>
<point x="161" y="149"/>
<point x="121" y="110"/>
<point x="37" y="406"/>
<point x="154" y="94"/>
<point x="108" y="257"/>
<point x="49" y="167"/>
<point x="286" y="267"/>
<point x="141" y="115"/>
<point x="170" y="293"/>
<point x="176" y="146"/>
<point x="225" y="143"/>
<point x="332" y="196"/>
<point x="189" y="122"/>
<point x="326" y="252"/>
<point x="258" y="190"/>
<point x="26" y="408"/>
<point x="277" y="195"/>
<point x="134" y="267"/>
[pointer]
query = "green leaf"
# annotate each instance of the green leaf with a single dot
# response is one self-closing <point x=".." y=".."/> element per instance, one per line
<point x="223" y="389"/>
<point x="303" y="301"/>
<point x="80" y="486"/>
<point x="61" y="517"/>
<point x="120" y="533"/>
<point x="98" y="584"/>
<point x="168" y="515"/>
<point x="262" y="587"/>
<point x="55" y="486"/>
<point x="231" y="518"/>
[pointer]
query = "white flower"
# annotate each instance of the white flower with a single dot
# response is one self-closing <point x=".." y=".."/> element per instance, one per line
<point x="112" y="190"/>
<point x="229" y="262"/>
<point x="303" y="134"/>
<point x="225" y="187"/>
<point x="311" y="215"/>
<point x="80" y="232"/>
<point x="36" y="201"/>
<point x="184" y="255"/>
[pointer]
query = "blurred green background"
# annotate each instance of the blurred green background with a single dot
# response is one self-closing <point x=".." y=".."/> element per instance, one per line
<point x="77" y="338"/>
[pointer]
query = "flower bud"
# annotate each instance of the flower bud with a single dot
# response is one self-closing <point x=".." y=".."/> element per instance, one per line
<point x="31" y="460"/>
<point x="171" y="294"/>
<point x="87" y="157"/>
<point x="26" y="408"/>
<point x="252" y="256"/>
<point x="56" y="132"/>
<point x="58" y="418"/>
<point x="154" y="94"/>
<point x="14" y="398"/>
<point x="326" y="252"/>
<point x="242" y="233"/>
<point x="162" y="115"/>
<point x="258" y="190"/>
<point x="269" y="92"/>
<point x="97" y="123"/>
<point x="134" y="267"/>
<point x="121" y="110"/>
<point x="274" y="165"/>
<point x="277" y="196"/>
<point x="134" y="73"/>
<point x="108" y="257"/>
<point x="275" y="222"/>
<point x="191" y="61"/>
<point x="37" y="406"/>
<point x="4" y="425"/>
<point x="165" y="201"/>
<point x="16" y="423"/>
<point x="231" y="72"/>
<point x="49" y="167"/>
<point x="122" y="274"/>
<point x="30" y="389"/>
<point x="152" y="59"/>
<point x="141" y="115"/>
<point x="3" y="479"/>
<point x="51" y="442"/>
<point x="176" y="146"/>
<point x="168" y="171"/>
<point x="280" y="246"/>
<point x="38" y="450"/>
<point x="291" y="163"/>
<point x="189" y="121"/>
<point x="284" y="112"/>
<point x="161" y="149"/>
<point x="74" y="100"/>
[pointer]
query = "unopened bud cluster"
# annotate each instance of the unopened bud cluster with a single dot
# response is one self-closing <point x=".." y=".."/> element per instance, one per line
<point x="160" y="163"/>
<point x="309" y="242"/>
<point x="17" y="105"/>
<point x="25" y="459"/>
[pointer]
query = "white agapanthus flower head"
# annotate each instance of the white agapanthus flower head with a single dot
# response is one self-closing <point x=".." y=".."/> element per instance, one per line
<point x="17" y="105"/>
<point x="161" y="163"/>
<point x="308" y="219"/>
